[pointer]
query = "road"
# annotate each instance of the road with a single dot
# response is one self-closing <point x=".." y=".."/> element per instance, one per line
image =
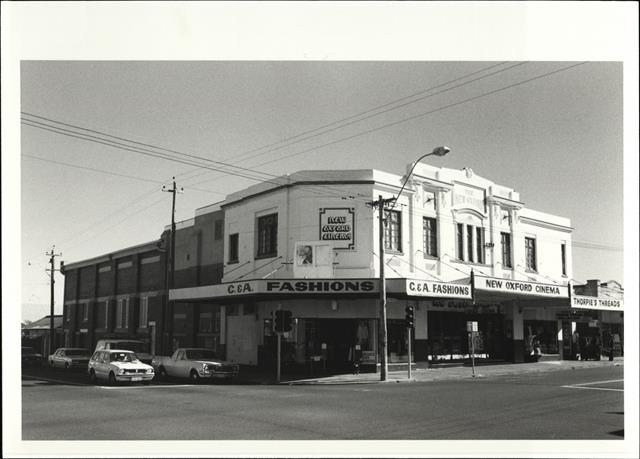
<point x="585" y="404"/>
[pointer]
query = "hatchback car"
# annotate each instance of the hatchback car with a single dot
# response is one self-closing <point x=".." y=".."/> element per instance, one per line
<point x="118" y="365"/>
<point x="69" y="357"/>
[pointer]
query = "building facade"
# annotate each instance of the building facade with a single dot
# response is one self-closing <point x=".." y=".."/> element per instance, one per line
<point x="458" y="248"/>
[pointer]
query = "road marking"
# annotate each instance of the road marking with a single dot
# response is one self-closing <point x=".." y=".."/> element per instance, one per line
<point x="143" y="386"/>
<point x="598" y="382"/>
<point x="593" y="388"/>
<point x="584" y="385"/>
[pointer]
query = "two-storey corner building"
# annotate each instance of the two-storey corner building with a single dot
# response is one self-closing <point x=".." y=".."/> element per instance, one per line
<point x="117" y="295"/>
<point x="458" y="248"/>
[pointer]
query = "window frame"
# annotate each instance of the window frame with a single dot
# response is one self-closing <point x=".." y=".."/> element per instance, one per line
<point x="530" y="254"/>
<point x="460" y="241"/>
<point x="85" y="312"/>
<point x="122" y="313"/>
<point x="507" y="261"/>
<point x="234" y="246"/>
<point x="479" y="234"/>
<point x="143" y="312"/>
<point x="267" y="238"/>
<point x="430" y="237"/>
<point x="563" y="258"/>
<point x="470" y="234"/>
<point x="389" y="227"/>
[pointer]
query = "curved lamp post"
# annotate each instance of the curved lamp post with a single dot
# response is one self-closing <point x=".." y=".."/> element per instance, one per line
<point x="382" y="221"/>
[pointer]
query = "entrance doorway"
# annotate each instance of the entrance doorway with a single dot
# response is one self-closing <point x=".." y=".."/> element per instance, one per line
<point x="338" y="336"/>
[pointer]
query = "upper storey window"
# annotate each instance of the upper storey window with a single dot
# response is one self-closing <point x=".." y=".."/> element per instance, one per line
<point x="530" y="253"/>
<point x="267" y="236"/>
<point x="429" y="237"/>
<point x="393" y="231"/>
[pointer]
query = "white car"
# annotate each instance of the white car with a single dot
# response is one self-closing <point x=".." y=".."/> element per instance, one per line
<point x="116" y="365"/>
<point x="69" y="357"/>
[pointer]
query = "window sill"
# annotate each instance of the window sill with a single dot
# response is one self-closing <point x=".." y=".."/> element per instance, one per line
<point x="232" y="262"/>
<point x="392" y="252"/>
<point x="269" y="255"/>
<point x="431" y="257"/>
<point x="530" y="271"/>
<point x="472" y="263"/>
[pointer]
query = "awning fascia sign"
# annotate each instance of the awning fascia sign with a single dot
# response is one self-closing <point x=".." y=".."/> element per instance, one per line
<point x="520" y="288"/>
<point x="430" y="289"/>
<point x="277" y="287"/>
<point x="596" y="302"/>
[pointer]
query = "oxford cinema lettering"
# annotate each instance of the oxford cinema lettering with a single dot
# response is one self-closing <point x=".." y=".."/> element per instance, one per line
<point x="520" y="287"/>
<point x="337" y="225"/>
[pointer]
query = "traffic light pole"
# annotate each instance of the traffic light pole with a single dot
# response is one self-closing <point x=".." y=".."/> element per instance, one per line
<point x="279" y="359"/>
<point x="409" y="349"/>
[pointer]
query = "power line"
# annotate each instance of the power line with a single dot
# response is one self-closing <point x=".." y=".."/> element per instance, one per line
<point x="420" y="115"/>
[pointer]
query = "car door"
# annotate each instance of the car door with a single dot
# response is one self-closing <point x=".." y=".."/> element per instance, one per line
<point x="100" y="365"/>
<point x="58" y="359"/>
<point x="181" y="364"/>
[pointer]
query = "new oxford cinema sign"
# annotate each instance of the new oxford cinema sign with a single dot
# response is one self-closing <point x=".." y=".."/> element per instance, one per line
<point x="337" y="224"/>
<point x="520" y="287"/>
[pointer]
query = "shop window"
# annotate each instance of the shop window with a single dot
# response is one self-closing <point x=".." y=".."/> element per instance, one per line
<point x="84" y="312"/>
<point x="232" y="310"/>
<point x="393" y="231"/>
<point x="505" y="239"/>
<point x="544" y="332"/>
<point x="530" y="253"/>
<point x="122" y="313"/>
<point x="563" y="257"/>
<point x="429" y="237"/>
<point x="460" y="241"/>
<point x="233" y="248"/>
<point x="217" y="229"/>
<point x="267" y="236"/>
<point x="209" y="322"/>
<point x="144" y="312"/>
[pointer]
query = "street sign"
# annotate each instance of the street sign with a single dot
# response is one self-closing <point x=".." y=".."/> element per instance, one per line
<point x="472" y="326"/>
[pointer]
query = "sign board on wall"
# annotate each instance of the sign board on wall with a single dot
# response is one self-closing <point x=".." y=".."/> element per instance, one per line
<point x="337" y="224"/>
<point x="468" y="197"/>
<point x="518" y="287"/>
<point x="596" y="302"/>
<point x="313" y="260"/>
<point x="414" y="287"/>
<point x="277" y="286"/>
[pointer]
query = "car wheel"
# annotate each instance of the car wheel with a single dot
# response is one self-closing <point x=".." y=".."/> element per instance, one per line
<point x="92" y="376"/>
<point x="162" y="373"/>
<point x="146" y="383"/>
<point x="66" y="365"/>
<point x="194" y="377"/>
<point x="112" y="379"/>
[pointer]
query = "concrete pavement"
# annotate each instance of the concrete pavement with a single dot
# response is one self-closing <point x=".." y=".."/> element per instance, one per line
<point x="458" y="372"/>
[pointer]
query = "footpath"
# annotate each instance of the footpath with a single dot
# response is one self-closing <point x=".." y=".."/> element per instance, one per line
<point x="433" y="374"/>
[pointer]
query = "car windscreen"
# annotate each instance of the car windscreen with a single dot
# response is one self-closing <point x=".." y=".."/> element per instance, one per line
<point x="76" y="352"/>
<point x="129" y="346"/>
<point x="200" y="354"/>
<point x="123" y="357"/>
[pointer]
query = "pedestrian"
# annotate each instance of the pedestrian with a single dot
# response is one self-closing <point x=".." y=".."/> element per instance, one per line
<point x="610" y="344"/>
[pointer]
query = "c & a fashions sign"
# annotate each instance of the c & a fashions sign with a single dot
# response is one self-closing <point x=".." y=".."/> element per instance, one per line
<point x="519" y="287"/>
<point x="437" y="289"/>
<point x="337" y="225"/>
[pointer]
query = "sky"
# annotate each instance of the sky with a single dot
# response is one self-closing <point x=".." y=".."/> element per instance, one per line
<point x="557" y="139"/>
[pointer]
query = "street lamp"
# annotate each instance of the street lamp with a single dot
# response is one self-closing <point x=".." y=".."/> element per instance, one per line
<point x="382" y="222"/>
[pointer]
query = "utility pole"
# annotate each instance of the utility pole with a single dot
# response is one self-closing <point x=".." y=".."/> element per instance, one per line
<point x="52" y="334"/>
<point x="172" y="250"/>
<point x="382" y="325"/>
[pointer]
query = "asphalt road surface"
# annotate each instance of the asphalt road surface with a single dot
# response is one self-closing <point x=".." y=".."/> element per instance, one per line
<point x="585" y="404"/>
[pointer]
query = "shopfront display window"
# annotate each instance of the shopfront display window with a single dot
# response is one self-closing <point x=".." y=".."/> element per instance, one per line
<point x="544" y="332"/>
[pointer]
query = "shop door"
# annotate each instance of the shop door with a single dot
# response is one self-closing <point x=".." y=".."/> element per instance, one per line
<point x="339" y="335"/>
<point x="242" y="342"/>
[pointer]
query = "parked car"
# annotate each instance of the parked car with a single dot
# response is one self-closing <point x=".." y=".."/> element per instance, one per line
<point x="195" y="364"/>
<point x="118" y="365"/>
<point x="30" y="358"/>
<point x="69" y="357"/>
<point x="139" y="347"/>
